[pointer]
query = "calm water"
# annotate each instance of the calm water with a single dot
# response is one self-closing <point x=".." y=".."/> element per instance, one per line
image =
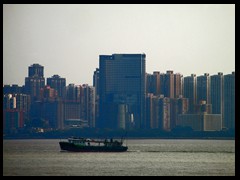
<point x="144" y="157"/>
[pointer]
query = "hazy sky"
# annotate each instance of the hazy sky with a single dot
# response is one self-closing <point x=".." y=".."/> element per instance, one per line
<point x="68" y="39"/>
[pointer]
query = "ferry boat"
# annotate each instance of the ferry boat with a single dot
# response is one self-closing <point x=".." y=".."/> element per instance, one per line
<point x="76" y="144"/>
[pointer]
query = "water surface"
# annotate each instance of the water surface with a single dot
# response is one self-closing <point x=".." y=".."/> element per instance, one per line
<point x="145" y="157"/>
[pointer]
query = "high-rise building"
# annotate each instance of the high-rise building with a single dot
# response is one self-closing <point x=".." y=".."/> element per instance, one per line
<point x="13" y="119"/>
<point x="177" y="85"/>
<point x="16" y="101"/>
<point x="72" y="111"/>
<point x="57" y="83"/>
<point x="14" y="89"/>
<point x="161" y="113"/>
<point x="158" y="112"/>
<point x="96" y="81"/>
<point x="15" y="111"/>
<point x="48" y="94"/>
<point x="189" y="91"/>
<point x="216" y="89"/>
<point x="36" y="70"/>
<point x="203" y="107"/>
<point x="178" y="106"/>
<point x="9" y="101"/>
<point x="154" y="112"/>
<point x="122" y="90"/>
<point x="72" y="104"/>
<point x="149" y="83"/>
<point x="156" y="85"/>
<point x="47" y="113"/>
<point x="203" y="88"/>
<point x="96" y="85"/>
<point x="201" y="122"/>
<point x="167" y="84"/>
<point x="229" y="101"/>
<point x="23" y="102"/>
<point x="149" y="110"/>
<point x="88" y="104"/>
<point x="35" y="81"/>
<point x="153" y="83"/>
<point x="72" y="93"/>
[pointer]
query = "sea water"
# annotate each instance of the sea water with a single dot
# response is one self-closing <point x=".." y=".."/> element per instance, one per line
<point x="145" y="157"/>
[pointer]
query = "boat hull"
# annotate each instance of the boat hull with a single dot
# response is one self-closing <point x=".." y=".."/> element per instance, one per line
<point x="66" y="146"/>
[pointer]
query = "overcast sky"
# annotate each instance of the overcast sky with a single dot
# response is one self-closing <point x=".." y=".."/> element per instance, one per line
<point x="68" y="39"/>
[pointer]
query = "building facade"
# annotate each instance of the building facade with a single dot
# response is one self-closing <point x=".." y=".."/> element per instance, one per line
<point x="88" y="104"/>
<point x="229" y="101"/>
<point x="201" y="122"/>
<point x="177" y="85"/>
<point x="167" y="84"/>
<point x="57" y="83"/>
<point x="216" y="90"/>
<point x="203" y="88"/>
<point x="15" y="111"/>
<point x="190" y="91"/>
<point x="122" y="87"/>
<point x="153" y="83"/>
<point x="35" y="81"/>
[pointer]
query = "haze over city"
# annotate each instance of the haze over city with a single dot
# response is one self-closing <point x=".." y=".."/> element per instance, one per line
<point x="154" y="82"/>
<point x="68" y="39"/>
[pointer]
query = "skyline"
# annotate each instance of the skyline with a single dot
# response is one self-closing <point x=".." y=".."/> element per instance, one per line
<point x="71" y="37"/>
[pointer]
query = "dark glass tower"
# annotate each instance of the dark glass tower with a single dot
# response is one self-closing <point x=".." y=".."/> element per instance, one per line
<point x="122" y="91"/>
